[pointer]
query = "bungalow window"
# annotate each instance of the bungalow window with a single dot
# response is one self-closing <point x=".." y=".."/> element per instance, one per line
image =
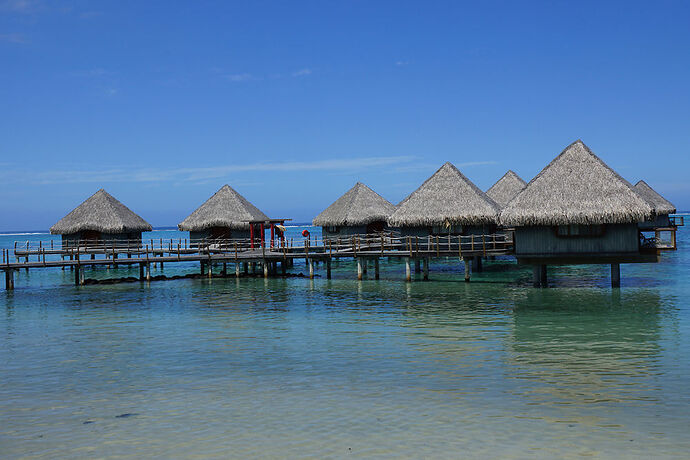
<point x="576" y="230"/>
<point x="332" y="229"/>
<point x="445" y="230"/>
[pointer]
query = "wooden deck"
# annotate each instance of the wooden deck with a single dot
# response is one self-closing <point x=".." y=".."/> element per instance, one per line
<point x="362" y="248"/>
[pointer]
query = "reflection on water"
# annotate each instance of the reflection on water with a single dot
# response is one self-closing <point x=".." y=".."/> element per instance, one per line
<point x="329" y="368"/>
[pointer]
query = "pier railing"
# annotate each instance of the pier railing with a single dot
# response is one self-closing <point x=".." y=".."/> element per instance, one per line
<point x="348" y="246"/>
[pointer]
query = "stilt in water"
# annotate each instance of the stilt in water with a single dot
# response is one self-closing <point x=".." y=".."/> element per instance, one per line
<point x="148" y="271"/>
<point x="310" y="262"/>
<point x="467" y="270"/>
<point x="476" y="264"/>
<point x="141" y="272"/>
<point x="365" y="262"/>
<point x="266" y="270"/>
<point x="426" y="269"/>
<point x="536" y="275"/>
<point x="615" y="275"/>
<point x="542" y="276"/>
<point x="225" y="269"/>
<point x="359" y="268"/>
<point x="376" y="268"/>
<point x="9" y="280"/>
<point x="408" y="271"/>
<point x="283" y="268"/>
<point x="328" y="268"/>
<point x="417" y="266"/>
<point x="237" y="269"/>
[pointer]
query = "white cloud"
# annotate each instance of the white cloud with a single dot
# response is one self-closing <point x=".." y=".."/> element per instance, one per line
<point x="90" y="73"/>
<point x="18" y="6"/>
<point x="237" y="77"/>
<point x="301" y="73"/>
<point x="13" y="38"/>
<point x="194" y="175"/>
<point x="402" y="63"/>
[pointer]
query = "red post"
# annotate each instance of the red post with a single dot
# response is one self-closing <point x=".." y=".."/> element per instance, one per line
<point x="272" y="233"/>
<point x="263" y="229"/>
<point x="251" y="236"/>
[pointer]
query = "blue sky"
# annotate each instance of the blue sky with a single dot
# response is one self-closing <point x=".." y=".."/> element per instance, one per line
<point x="291" y="103"/>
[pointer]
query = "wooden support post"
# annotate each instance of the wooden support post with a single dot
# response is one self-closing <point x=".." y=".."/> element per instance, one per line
<point x="9" y="279"/>
<point x="376" y="268"/>
<point x="359" y="268"/>
<point x="225" y="269"/>
<point x="237" y="269"/>
<point x="408" y="271"/>
<point x="114" y="258"/>
<point x="266" y="269"/>
<point x="477" y="264"/>
<point x="417" y="266"/>
<point x="210" y="269"/>
<point x="426" y="269"/>
<point x="328" y="268"/>
<point x="310" y="262"/>
<point x="148" y="271"/>
<point x="283" y="267"/>
<point x="542" y="276"/>
<point x="365" y="263"/>
<point x="615" y="275"/>
<point x="468" y="272"/>
<point x="141" y="272"/>
<point x="536" y="276"/>
<point x="245" y="265"/>
<point x="201" y="268"/>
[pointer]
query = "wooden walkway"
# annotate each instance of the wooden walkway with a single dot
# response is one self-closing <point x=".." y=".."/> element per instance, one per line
<point x="362" y="248"/>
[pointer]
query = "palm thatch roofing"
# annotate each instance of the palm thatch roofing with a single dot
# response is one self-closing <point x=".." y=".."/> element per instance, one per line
<point x="660" y="204"/>
<point x="102" y="213"/>
<point x="226" y="208"/>
<point x="577" y="187"/>
<point x="358" y="206"/>
<point x="506" y="188"/>
<point x="447" y="197"/>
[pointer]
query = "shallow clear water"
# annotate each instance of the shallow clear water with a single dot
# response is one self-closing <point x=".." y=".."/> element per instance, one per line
<point x="334" y="368"/>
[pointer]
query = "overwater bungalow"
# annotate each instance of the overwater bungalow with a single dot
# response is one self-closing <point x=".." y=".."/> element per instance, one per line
<point x="578" y="210"/>
<point x="506" y="188"/>
<point x="226" y="215"/>
<point x="359" y="211"/>
<point x="661" y="206"/>
<point x="101" y="219"/>
<point x="447" y="203"/>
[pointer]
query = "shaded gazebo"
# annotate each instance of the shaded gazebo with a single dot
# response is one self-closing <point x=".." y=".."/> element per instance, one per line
<point x="359" y="211"/>
<point x="101" y="219"/>
<point x="578" y="210"/>
<point x="226" y="215"/>
<point x="506" y="188"/>
<point x="447" y="203"/>
<point x="661" y="206"/>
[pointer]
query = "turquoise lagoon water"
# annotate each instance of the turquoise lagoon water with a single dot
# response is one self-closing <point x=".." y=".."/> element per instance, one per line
<point x="294" y="368"/>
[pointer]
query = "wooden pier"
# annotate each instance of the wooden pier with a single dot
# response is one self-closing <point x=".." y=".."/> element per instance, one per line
<point x="364" y="249"/>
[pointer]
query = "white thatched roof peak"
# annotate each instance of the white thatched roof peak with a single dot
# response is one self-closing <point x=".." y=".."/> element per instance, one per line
<point x="660" y="204"/>
<point x="226" y="208"/>
<point x="506" y="188"/>
<point x="103" y="213"/>
<point x="358" y="206"/>
<point x="577" y="187"/>
<point x="445" y="197"/>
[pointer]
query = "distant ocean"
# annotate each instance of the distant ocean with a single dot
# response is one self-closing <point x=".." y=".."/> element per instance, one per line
<point x="294" y="368"/>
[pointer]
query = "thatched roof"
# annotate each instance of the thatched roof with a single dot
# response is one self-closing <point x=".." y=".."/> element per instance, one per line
<point x="446" y="197"/>
<point x="103" y="213"/>
<point x="576" y="188"/>
<point x="226" y="208"/>
<point x="660" y="204"/>
<point x="358" y="206"/>
<point x="506" y="188"/>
